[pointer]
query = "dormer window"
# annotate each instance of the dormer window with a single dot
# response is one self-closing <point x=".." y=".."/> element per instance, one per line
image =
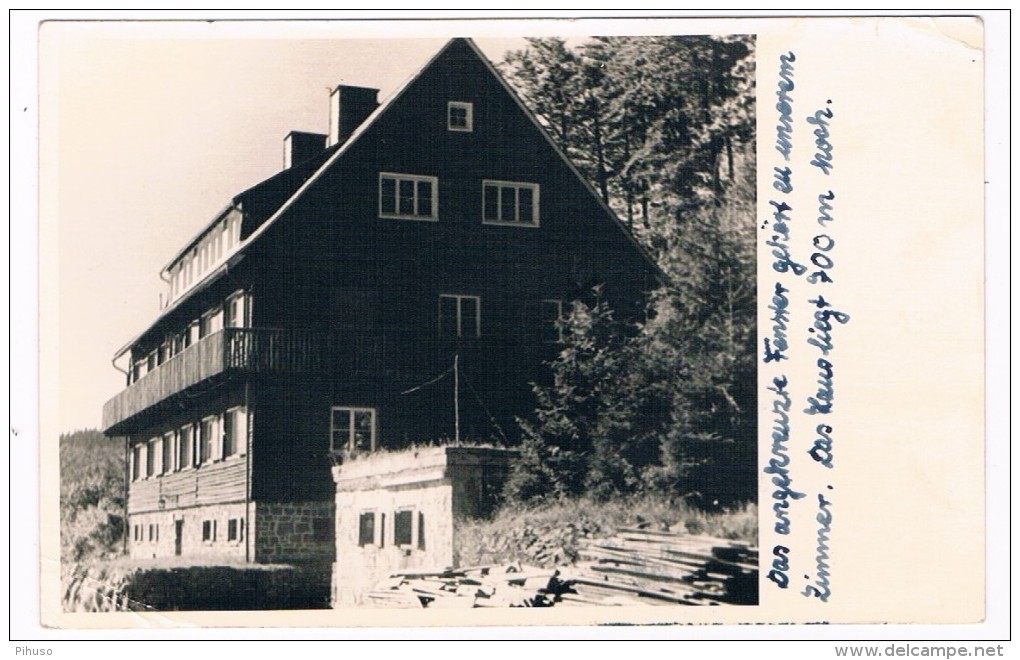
<point x="460" y="116"/>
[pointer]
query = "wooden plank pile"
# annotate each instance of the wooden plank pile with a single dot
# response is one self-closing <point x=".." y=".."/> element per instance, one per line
<point x="643" y="566"/>
<point x="635" y="567"/>
<point x="512" y="585"/>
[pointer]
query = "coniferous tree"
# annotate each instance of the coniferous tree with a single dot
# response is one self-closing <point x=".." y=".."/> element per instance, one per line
<point x="663" y="128"/>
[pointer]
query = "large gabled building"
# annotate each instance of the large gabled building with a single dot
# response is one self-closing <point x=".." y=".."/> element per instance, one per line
<point x="315" y="313"/>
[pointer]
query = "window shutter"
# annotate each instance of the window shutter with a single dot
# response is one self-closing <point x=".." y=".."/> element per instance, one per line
<point x="176" y="451"/>
<point x="218" y="428"/>
<point x="157" y="458"/>
<point x="241" y="431"/>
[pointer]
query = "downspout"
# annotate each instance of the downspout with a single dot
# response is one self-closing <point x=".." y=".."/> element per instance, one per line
<point x="247" y="475"/>
<point x="114" y="363"/>
<point x="127" y="489"/>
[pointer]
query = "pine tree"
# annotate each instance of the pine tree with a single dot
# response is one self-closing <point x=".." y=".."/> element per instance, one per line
<point x="663" y="128"/>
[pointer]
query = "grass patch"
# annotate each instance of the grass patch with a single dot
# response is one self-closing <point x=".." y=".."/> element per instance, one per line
<point x="551" y="533"/>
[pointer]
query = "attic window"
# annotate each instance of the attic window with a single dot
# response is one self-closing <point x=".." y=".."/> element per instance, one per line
<point x="510" y="203"/>
<point x="460" y="116"/>
<point x="408" y="196"/>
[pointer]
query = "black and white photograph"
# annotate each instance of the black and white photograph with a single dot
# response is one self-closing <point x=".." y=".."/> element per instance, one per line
<point x="591" y="327"/>
<point x="404" y="323"/>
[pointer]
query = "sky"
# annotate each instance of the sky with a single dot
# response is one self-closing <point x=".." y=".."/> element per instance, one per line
<point x="147" y="134"/>
<point x="148" y="129"/>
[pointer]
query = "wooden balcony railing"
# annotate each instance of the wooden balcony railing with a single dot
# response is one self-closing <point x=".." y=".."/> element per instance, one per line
<point x="247" y="351"/>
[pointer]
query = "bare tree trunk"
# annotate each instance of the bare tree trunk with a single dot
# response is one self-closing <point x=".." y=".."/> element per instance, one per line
<point x="729" y="156"/>
<point x="600" y="160"/>
<point x="630" y="207"/>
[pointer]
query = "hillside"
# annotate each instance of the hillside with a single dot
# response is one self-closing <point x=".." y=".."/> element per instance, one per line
<point x="91" y="496"/>
<point x="552" y="533"/>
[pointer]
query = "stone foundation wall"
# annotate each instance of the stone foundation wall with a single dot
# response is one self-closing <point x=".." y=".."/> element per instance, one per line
<point x="294" y="532"/>
<point x="154" y="534"/>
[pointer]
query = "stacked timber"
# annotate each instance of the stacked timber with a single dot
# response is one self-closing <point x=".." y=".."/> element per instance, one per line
<point x="643" y="566"/>
<point x="512" y="585"/>
<point x="634" y="567"/>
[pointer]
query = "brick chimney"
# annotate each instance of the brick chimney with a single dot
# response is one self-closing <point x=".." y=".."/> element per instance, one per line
<point x="299" y="146"/>
<point x="348" y="107"/>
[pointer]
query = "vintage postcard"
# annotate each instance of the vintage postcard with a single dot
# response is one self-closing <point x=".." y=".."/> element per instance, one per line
<point x="638" y="320"/>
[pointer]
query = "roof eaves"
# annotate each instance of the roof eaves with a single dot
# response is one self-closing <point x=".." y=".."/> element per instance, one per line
<point x="201" y="285"/>
<point x="197" y="237"/>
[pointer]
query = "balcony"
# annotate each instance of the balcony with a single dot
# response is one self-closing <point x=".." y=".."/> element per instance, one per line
<point x="243" y="351"/>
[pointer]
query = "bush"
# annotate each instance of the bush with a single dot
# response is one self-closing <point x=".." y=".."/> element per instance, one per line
<point x="92" y="494"/>
<point x="550" y="532"/>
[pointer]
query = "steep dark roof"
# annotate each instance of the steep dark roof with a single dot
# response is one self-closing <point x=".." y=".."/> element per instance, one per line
<point x="263" y="199"/>
<point x="266" y="202"/>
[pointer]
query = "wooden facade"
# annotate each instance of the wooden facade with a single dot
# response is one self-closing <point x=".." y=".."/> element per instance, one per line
<point x="448" y="226"/>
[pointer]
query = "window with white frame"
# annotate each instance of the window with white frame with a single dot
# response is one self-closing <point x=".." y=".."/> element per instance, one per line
<point x="156" y="447"/>
<point x="406" y="527"/>
<point x="150" y="458"/>
<point x="235" y="432"/>
<point x="225" y="235"/>
<point x="139" y="369"/>
<point x="233" y="227"/>
<point x="185" y="446"/>
<point x="408" y="196"/>
<point x="217" y="245"/>
<point x="352" y="429"/>
<point x="212" y="321"/>
<point x="208" y="531"/>
<point x="510" y="203"/>
<point x="235" y="311"/>
<point x="137" y="460"/>
<point x="174" y="282"/>
<point x="191" y="334"/>
<point x="460" y="116"/>
<point x="366" y="528"/>
<point x="235" y="529"/>
<point x="552" y="314"/>
<point x="460" y="315"/>
<point x="210" y="443"/>
<point x="167" y="462"/>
